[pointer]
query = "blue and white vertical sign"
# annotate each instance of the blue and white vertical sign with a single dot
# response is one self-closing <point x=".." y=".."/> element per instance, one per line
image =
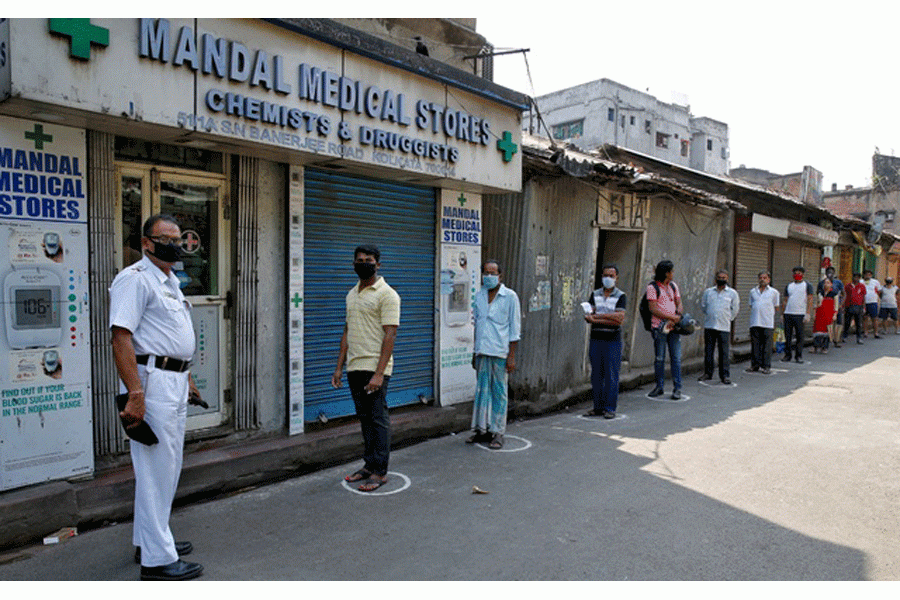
<point x="295" y="299"/>
<point x="460" y="279"/>
<point x="45" y="354"/>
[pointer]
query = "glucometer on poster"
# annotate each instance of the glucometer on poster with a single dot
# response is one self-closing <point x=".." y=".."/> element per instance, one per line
<point x="32" y="308"/>
<point x="51" y="360"/>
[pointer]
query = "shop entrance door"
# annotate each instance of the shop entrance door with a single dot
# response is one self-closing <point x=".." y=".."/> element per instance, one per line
<point x="197" y="201"/>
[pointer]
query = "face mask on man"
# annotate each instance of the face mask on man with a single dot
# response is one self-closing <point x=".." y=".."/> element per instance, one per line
<point x="364" y="270"/>
<point x="490" y="281"/>
<point x="798" y="276"/>
<point x="609" y="283"/>
<point x="167" y="253"/>
<point x="721" y="282"/>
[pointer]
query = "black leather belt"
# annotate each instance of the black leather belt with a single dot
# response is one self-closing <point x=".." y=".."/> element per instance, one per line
<point x="166" y="363"/>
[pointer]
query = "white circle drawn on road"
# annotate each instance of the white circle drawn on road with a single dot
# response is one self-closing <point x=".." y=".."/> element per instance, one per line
<point x="667" y="398"/>
<point x="618" y="417"/>
<point x="713" y="385"/>
<point x="506" y="437"/>
<point x="406" y="484"/>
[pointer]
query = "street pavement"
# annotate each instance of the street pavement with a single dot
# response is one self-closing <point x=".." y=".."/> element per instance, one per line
<point x="791" y="476"/>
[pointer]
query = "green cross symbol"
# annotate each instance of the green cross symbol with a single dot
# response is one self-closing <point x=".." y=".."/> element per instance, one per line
<point x="38" y="136"/>
<point x="506" y="146"/>
<point x="461" y="199"/>
<point x="296" y="300"/>
<point x="81" y="35"/>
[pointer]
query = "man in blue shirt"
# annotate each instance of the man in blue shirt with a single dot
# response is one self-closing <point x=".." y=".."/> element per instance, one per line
<point x="497" y="328"/>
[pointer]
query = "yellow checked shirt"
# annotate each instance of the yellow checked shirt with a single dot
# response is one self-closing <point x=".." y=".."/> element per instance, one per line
<point x="367" y="314"/>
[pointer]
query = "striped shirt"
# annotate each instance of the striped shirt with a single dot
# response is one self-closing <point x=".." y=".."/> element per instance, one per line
<point x="368" y="311"/>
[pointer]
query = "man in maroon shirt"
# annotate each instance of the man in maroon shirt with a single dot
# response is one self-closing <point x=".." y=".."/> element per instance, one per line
<point x="855" y="305"/>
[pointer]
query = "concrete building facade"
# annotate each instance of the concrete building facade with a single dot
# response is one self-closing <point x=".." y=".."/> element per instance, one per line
<point x="606" y="112"/>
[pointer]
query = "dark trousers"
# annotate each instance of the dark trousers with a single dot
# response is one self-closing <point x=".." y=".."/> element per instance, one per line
<point x="793" y="327"/>
<point x="372" y="412"/>
<point x="606" y="359"/>
<point x="854" y="312"/>
<point x="761" y="347"/>
<point x="711" y="339"/>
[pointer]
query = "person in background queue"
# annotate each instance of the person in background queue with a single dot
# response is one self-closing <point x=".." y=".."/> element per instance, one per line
<point x="888" y="311"/>
<point x="854" y="305"/>
<point x="721" y="304"/>
<point x="607" y="312"/>
<point x="367" y="347"/>
<point x="798" y="304"/>
<point x="837" y="292"/>
<point x="873" y="291"/>
<point x="497" y="329"/>
<point x="153" y="342"/>
<point x="666" y="309"/>
<point x="764" y="301"/>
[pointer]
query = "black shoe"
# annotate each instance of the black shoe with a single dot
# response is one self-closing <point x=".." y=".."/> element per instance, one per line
<point x="726" y="381"/>
<point x="798" y="360"/>
<point x="676" y="395"/>
<point x="766" y="371"/>
<point x="594" y="413"/>
<point x="608" y="414"/>
<point x="176" y="571"/>
<point x="656" y="392"/>
<point x="705" y="377"/>
<point x="751" y="369"/>
<point x="786" y="359"/>
<point x="182" y="548"/>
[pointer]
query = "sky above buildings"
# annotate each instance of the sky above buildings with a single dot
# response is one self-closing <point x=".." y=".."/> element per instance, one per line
<point x="798" y="83"/>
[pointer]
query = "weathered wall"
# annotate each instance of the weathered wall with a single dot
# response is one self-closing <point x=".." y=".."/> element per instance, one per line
<point x="547" y="246"/>
<point x="271" y="339"/>
<point x="692" y="238"/>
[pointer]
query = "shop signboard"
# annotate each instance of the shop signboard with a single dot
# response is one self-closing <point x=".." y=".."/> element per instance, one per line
<point x="45" y="369"/>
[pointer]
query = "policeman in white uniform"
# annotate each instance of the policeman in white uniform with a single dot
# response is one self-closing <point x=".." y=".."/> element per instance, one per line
<point x="153" y="342"/>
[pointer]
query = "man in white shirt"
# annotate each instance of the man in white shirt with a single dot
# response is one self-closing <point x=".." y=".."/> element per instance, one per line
<point x="798" y="305"/>
<point x="720" y="303"/>
<point x="153" y="342"/>
<point x="888" y="311"/>
<point x="873" y="291"/>
<point x="764" y="301"/>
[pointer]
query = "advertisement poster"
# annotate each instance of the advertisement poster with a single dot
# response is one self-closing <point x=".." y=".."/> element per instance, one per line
<point x="45" y="369"/>
<point x="460" y="280"/>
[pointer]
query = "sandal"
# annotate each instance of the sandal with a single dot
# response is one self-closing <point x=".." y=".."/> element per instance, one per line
<point x="496" y="442"/>
<point x="358" y="476"/>
<point x="478" y="437"/>
<point x="373" y="483"/>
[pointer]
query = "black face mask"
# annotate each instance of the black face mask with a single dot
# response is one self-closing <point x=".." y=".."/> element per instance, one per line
<point x="364" y="270"/>
<point x="168" y="253"/>
<point x="721" y="282"/>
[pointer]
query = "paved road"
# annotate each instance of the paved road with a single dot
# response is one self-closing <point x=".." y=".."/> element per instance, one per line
<point x="792" y="476"/>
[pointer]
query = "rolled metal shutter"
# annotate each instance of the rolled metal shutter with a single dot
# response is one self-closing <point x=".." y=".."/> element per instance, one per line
<point x="753" y="256"/>
<point x="786" y="254"/>
<point x="340" y="213"/>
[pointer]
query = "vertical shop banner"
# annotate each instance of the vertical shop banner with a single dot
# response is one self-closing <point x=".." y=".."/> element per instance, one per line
<point x="45" y="369"/>
<point x="295" y="300"/>
<point x="459" y="281"/>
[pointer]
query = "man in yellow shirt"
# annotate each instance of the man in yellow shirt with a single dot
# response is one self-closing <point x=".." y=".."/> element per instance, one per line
<point x="367" y="346"/>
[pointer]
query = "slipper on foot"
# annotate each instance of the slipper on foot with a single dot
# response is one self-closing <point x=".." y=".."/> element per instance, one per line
<point x="358" y="476"/>
<point x="372" y="484"/>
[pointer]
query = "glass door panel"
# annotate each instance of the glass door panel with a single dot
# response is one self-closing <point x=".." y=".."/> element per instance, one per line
<point x="196" y="208"/>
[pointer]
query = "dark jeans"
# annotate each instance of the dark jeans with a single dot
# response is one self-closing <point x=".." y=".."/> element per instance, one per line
<point x="761" y="347"/>
<point x="660" y="342"/>
<point x="854" y="313"/>
<point x="372" y="412"/>
<point x="793" y="326"/>
<point x="606" y="359"/>
<point x="711" y="339"/>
